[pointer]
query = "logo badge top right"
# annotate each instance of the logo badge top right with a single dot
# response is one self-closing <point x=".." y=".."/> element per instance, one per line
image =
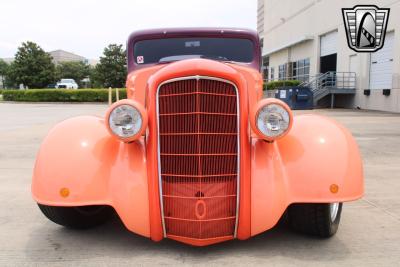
<point x="365" y="27"/>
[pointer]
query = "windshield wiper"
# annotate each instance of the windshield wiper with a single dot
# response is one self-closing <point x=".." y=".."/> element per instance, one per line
<point x="182" y="57"/>
<point x="221" y="58"/>
<point x="177" y="58"/>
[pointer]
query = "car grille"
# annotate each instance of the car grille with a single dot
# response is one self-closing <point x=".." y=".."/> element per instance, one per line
<point x="198" y="157"/>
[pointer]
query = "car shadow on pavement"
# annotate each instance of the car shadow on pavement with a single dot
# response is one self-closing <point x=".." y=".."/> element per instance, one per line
<point x="49" y="243"/>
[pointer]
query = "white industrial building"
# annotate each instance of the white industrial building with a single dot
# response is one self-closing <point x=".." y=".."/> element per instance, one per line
<point x="306" y="39"/>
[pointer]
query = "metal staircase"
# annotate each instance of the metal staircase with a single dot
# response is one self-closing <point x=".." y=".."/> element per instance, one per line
<point x="331" y="83"/>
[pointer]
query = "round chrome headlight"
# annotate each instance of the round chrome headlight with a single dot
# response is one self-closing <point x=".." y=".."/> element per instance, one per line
<point x="273" y="119"/>
<point x="126" y="119"/>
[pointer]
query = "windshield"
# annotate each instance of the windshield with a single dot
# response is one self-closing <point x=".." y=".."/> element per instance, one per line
<point x="172" y="49"/>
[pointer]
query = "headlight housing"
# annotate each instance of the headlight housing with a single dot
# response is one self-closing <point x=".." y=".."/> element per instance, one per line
<point x="271" y="119"/>
<point x="127" y="120"/>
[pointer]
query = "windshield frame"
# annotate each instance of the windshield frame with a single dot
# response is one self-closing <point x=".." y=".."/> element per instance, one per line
<point x="193" y="33"/>
<point x="235" y="50"/>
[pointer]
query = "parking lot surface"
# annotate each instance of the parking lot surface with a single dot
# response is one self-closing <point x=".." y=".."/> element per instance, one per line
<point x="369" y="234"/>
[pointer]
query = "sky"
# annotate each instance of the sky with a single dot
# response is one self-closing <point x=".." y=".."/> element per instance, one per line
<point x="85" y="27"/>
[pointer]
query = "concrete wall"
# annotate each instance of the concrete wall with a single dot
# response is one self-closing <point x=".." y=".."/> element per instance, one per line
<point x="287" y="21"/>
<point x="278" y="59"/>
<point x="260" y="17"/>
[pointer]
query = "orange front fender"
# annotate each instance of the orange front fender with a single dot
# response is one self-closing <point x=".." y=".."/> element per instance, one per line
<point x="301" y="168"/>
<point x="80" y="155"/>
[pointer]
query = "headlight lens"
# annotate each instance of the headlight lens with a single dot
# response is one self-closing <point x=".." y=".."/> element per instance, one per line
<point x="273" y="120"/>
<point x="125" y="121"/>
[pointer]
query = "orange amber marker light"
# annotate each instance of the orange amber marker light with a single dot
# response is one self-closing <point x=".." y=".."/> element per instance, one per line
<point x="64" y="192"/>
<point x="334" y="188"/>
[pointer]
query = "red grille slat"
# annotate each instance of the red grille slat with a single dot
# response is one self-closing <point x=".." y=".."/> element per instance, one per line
<point x="199" y="154"/>
<point x="198" y="151"/>
<point x="217" y="208"/>
<point x="198" y="133"/>
<point x="216" y="186"/>
<point x="197" y="113"/>
<point x="195" y="93"/>
<point x="197" y="197"/>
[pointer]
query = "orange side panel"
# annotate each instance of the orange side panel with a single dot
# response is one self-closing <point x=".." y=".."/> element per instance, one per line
<point x="244" y="223"/>
<point x="320" y="157"/>
<point x="137" y="89"/>
<point x="136" y="83"/>
<point x="254" y="83"/>
<point x="301" y="167"/>
<point x="269" y="186"/>
<point x="156" y="228"/>
<point x="249" y="99"/>
<point x="80" y="154"/>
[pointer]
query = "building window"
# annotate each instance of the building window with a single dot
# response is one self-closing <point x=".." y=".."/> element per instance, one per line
<point x="282" y="72"/>
<point x="265" y="67"/>
<point x="272" y="71"/>
<point x="301" y="70"/>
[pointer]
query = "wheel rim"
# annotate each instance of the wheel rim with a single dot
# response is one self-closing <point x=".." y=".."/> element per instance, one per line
<point x="334" y="209"/>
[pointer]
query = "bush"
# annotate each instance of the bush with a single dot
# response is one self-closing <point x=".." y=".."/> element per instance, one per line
<point x="61" y="95"/>
<point x="276" y="84"/>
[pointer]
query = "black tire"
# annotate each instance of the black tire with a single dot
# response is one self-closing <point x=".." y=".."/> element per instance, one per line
<point x="77" y="217"/>
<point x="314" y="219"/>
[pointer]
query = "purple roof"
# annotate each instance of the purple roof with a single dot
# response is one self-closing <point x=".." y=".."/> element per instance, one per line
<point x="193" y="32"/>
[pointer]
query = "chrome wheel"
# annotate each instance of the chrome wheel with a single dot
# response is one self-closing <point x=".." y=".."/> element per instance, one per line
<point x="334" y="208"/>
<point x="318" y="219"/>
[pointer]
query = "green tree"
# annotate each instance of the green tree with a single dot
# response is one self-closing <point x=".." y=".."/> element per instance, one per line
<point x="3" y="72"/>
<point x="111" y="70"/>
<point x="76" y="70"/>
<point x="93" y="77"/>
<point x="32" y="66"/>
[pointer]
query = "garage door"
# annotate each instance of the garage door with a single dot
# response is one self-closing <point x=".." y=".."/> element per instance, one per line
<point x="329" y="44"/>
<point x="382" y="65"/>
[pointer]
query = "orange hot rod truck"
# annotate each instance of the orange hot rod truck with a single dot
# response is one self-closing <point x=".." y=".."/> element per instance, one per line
<point x="195" y="154"/>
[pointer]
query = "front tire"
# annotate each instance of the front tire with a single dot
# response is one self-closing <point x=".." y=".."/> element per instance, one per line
<point x="320" y="220"/>
<point x="77" y="217"/>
